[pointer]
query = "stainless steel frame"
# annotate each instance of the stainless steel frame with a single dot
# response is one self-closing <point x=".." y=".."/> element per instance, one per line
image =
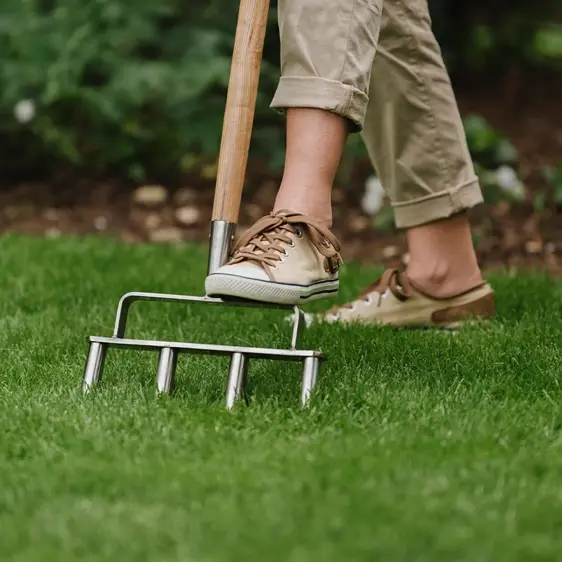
<point x="169" y="351"/>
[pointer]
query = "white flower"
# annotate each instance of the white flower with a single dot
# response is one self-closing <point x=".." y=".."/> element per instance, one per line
<point x="373" y="198"/>
<point x="100" y="223"/>
<point x="508" y="180"/>
<point x="24" y="111"/>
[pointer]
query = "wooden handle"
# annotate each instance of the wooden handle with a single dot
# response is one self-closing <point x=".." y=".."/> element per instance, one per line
<point x="240" y="108"/>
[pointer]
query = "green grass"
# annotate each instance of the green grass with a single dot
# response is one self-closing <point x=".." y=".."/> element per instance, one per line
<point x="417" y="447"/>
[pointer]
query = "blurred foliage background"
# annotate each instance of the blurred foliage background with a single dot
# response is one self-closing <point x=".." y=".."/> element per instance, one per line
<point x="136" y="89"/>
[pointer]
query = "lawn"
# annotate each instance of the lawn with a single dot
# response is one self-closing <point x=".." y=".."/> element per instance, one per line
<point x="418" y="446"/>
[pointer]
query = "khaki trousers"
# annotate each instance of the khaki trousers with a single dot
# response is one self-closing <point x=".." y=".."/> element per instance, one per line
<point x="377" y="63"/>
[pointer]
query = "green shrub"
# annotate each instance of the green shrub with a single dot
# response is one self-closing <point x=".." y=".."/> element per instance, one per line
<point x="130" y="86"/>
<point x="137" y="89"/>
<point x="499" y="35"/>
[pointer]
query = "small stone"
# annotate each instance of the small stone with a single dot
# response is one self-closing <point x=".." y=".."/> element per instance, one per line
<point x="166" y="235"/>
<point x="51" y="214"/>
<point x="152" y="221"/>
<point x="184" y="196"/>
<point x="52" y="233"/>
<point x="100" y="223"/>
<point x="188" y="216"/>
<point x="511" y="239"/>
<point x="390" y="252"/>
<point x="359" y="223"/>
<point x="533" y="246"/>
<point x="531" y="225"/>
<point x="150" y="195"/>
<point x="11" y="213"/>
<point x="130" y="237"/>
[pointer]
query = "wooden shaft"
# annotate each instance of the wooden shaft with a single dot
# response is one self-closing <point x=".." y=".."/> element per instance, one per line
<point x="240" y="108"/>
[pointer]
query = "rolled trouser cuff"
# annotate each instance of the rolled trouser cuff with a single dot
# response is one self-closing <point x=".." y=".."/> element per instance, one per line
<point x="438" y="206"/>
<point x="320" y="93"/>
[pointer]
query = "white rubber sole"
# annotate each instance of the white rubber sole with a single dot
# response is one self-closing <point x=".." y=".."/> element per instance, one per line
<point x="225" y="285"/>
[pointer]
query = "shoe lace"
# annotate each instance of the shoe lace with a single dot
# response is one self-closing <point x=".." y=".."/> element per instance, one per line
<point x="392" y="280"/>
<point x="261" y="242"/>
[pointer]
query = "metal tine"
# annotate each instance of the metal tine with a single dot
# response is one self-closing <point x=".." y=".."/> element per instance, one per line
<point x="237" y="374"/>
<point x="309" y="377"/>
<point x="94" y="365"/>
<point x="165" y="377"/>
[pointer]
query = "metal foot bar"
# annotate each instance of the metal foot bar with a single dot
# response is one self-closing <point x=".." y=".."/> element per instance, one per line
<point x="128" y="299"/>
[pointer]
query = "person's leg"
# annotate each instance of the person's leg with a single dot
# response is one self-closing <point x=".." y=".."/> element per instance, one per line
<point x="327" y="52"/>
<point x="415" y="138"/>
<point x="414" y="134"/>
<point x="315" y="141"/>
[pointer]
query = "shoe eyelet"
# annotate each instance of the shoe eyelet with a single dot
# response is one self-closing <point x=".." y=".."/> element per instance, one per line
<point x="298" y="233"/>
<point x="292" y="244"/>
<point x="368" y="300"/>
<point x="283" y="256"/>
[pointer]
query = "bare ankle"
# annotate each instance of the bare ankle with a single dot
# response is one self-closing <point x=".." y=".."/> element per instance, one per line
<point x="321" y="212"/>
<point x="443" y="282"/>
<point x="443" y="261"/>
<point x="315" y="141"/>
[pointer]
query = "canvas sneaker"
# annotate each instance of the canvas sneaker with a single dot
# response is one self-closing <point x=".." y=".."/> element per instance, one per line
<point x="393" y="300"/>
<point x="285" y="258"/>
